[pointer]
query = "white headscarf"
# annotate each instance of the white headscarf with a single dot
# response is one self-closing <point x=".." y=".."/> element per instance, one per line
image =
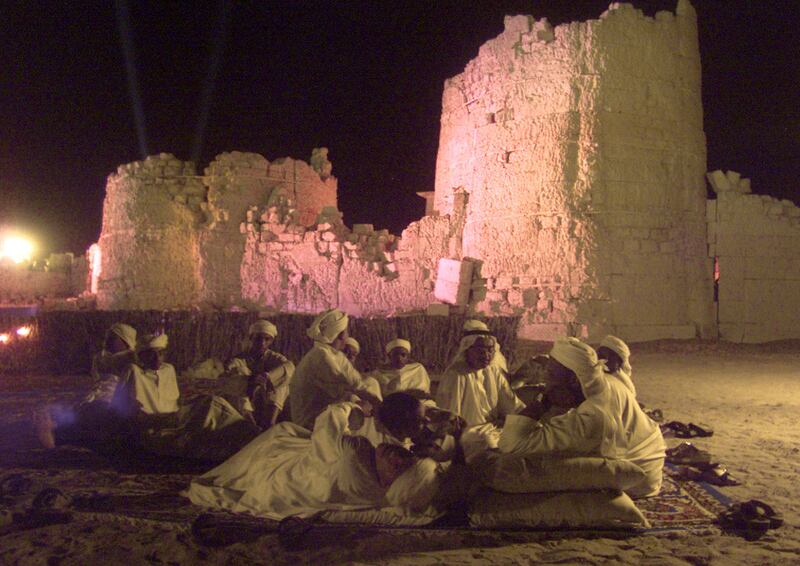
<point x="126" y="333"/>
<point x="624" y="373"/>
<point x="474" y="329"/>
<point x="581" y="359"/>
<point x="353" y="343"/>
<point x="327" y="326"/>
<point x="415" y="487"/>
<point x="621" y="349"/>
<point x="154" y="342"/>
<point x="262" y="326"/>
<point x="398" y="343"/>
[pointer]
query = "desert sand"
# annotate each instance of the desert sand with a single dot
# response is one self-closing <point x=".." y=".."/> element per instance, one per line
<point x="750" y="395"/>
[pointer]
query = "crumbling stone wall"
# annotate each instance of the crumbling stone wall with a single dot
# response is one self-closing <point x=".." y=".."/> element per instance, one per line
<point x="149" y="238"/>
<point x="366" y="272"/>
<point x="756" y="241"/>
<point x="582" y="152"/>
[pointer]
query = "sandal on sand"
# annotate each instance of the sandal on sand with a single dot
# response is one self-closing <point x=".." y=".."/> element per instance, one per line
<point x="758" y="509"/>
<point x="713" y="474"/>
<point x="752" y="519"/>
<point x="656" y="414"/>
<point x="687" y="454"/>
<point x="691" y="430"/>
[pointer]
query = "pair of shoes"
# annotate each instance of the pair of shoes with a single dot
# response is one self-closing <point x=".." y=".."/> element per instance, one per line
<point x="691" y="430"/>
<point x="751" y="519"/>
<point x="714" y="474"/>
<point x="687" y="454"/>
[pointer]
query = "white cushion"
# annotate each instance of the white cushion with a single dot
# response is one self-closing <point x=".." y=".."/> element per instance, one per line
<point x="604" y="509"/>
<point x="544" y="473"/>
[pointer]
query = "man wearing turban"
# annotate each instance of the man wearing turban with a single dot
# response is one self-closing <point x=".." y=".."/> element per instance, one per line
<point x="401" y="374"/>
<point x="325" y="375"/>
<point x="91" y="420"/>
<point x="617" y="357"/>
<point x="206" y="427"/>
<point x="599" y="417"/>
<point x="257" y="380"/>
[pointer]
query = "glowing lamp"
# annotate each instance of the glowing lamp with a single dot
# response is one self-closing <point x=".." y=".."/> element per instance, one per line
<point x="16" y="249"/>
<point x="5" y="338"/>
<point x="24" y="331"/>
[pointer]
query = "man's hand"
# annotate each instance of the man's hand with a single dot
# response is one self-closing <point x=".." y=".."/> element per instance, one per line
<point x="366" y="407"/>
<point x="535" y="409"/>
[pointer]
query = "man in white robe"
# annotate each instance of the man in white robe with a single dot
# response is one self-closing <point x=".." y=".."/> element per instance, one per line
<point x="475" y="386"/>
<point x="89" y="420"/>
<point x="207" y="427"/>
<point x="325" y="375"/>
<point x="602" y="417"/>
<point x="617" y="357"/>
<point x="351" y="349"/>
<point x="401" y="374"/>
<point x="291" y="471"/>
<point x="257" y="380"/>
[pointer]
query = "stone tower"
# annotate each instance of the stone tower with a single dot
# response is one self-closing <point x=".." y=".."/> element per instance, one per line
<point x="582" y="151"/>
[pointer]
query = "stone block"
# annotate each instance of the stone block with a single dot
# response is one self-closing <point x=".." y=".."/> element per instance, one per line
<point x="329" y="236"/>
<point x="438" y="309"/>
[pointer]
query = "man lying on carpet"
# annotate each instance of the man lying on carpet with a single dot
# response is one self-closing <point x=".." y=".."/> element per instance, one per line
<point x="207" y="427"/>
<point x="256" y="381"/>
<point x="600" y="417"/>
<point x="91" y="420"/>
<point x="290" y="470"/>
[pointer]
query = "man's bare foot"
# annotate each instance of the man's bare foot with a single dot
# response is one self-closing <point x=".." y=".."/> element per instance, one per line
<point x="45" y="427"/>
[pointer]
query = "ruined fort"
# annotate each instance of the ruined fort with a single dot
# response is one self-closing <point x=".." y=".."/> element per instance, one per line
<point x="571" y="190"/>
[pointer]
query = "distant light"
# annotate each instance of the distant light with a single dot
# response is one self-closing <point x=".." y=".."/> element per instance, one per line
<point x="16" y="249"/>
<point x="24" y="331"/>
<point x="5" y="338"/>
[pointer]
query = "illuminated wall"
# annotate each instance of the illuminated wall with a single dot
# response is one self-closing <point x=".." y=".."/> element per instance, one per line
<point x="149" y="238"/>
<point x="582" y="151"/>
<point x="756" y="240"/>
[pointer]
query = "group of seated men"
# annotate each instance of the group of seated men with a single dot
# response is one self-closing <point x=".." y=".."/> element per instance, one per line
<point x="321" y="435"/>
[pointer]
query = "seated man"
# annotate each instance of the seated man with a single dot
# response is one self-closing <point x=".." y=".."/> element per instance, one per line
<point x="256" y="381"/>
<point x="147" y="398"/>
<point x="617" y="357"/>
<point x="325" y="375"/>
<point x="475" y="386"/>
<point x="351" y="349"/>
<point x="400" y="374"/>
<point x="291" y="471"/>
<point x="90" y="420"/>
<point x="598" y="417"/>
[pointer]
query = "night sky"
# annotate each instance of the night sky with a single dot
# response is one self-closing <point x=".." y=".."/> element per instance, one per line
<point x="361" y="78"/>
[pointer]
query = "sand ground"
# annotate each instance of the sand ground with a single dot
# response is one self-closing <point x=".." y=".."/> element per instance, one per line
<point x="750" y="395"/>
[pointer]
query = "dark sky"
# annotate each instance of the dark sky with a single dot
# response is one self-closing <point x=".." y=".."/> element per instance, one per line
<point x="362" y="78"/>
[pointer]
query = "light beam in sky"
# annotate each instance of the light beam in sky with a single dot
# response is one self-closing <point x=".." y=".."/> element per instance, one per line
<point x="126" y="38"/>
<point x="211" y="78"/>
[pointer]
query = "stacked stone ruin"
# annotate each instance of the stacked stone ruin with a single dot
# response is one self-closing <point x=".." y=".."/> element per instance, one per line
<point x="570" y="191"/>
